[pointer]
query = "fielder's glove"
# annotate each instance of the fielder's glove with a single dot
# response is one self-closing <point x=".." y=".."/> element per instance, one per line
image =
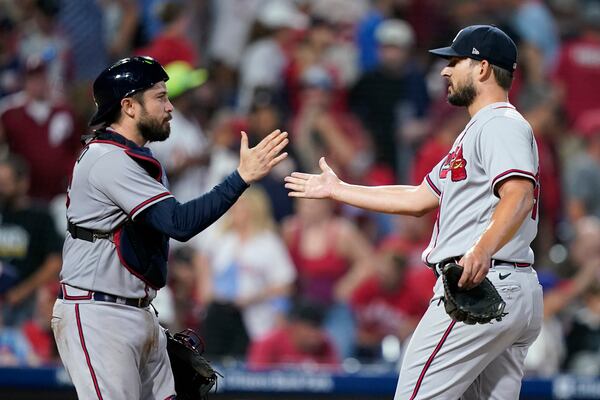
<point x="479" y="305"/>
<point x="194" y="377"/>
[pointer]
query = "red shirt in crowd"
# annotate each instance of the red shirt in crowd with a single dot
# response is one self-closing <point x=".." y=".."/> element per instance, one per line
<point x="383" y="311"/>
<point x="578" y="68"/>
<point x="278" y="348"/>
<point x="166" y="49"/>
<point x="318" y="275"/>
<point x="49" y="143"/>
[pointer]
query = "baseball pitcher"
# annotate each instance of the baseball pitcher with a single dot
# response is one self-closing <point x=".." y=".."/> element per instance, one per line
<point x="485" y="192"/>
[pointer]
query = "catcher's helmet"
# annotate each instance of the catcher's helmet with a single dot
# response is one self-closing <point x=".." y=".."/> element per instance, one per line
<point x="122" y="79"/>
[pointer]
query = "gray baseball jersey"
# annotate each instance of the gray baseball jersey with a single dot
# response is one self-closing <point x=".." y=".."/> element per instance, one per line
<point x="446" y="359"/>
<point x="107" y="187"/>
<point x="496" y="144"/>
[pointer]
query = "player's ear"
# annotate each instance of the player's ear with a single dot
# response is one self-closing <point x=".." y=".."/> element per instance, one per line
<point x="484" y="70"/>
<point x="127" y="107"/>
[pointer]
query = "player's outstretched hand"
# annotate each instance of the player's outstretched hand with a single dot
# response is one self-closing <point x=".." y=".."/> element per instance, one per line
<point x="257" y="161"/>
<point x="313" y="186"/>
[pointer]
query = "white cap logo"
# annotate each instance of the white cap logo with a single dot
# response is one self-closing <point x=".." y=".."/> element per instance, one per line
<point x="474" y="51"/>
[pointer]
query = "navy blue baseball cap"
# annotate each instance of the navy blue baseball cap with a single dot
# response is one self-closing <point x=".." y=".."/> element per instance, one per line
<point x="482" y="42"/>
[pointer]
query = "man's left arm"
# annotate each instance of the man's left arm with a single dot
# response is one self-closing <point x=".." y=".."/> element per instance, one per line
<point x="49" y="244"/>
<point x="516" y="202"/>
<point x="47" y="272"/>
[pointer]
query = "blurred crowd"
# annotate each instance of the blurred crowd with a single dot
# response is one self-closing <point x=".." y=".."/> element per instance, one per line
<point x="276" y="281"/>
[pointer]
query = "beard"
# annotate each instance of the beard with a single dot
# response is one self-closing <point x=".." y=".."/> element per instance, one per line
<point x="464" y="95"/>
<point x="153" y="129"/>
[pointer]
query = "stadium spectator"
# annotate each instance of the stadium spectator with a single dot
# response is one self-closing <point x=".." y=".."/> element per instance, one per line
<point x="583" y="171"/>
<point x="319" y="129"/>
<point x="539" y="106"/>
<point x="391" y="100"/>
<point x="43" y="38"/>
<point x="15" y="350"/>
<point x="42" y="130"/>
<point x="37" y="330"/>
<point x="365" y="32"/>
<point x="583" y="339"/>
<point x="266" y="58"/>
<point x="121" y="19"/>
<point x="534" y="23"/>
<point x="264" y="117"/>
<point x="172" y="44"/>
<point x="231" y="29"/>
<point x="410" y="235"/>
<point x="183" y="303"/>
<point x="301" y="342"/>
<point x="579" y="65"/>
<point x="224" y="131"/>
<point x="83" y="25"/>
<point x="232" y="24"/>
<point x="314" y="50"/>
<point x="390" y="302"/>
<point x="546" y="355"/>
<point x="28" y="242"/>
<point x="9" y="60"/>
<point x="246" y="278"/>
<point x="82" y="21"/>
<point x="563" y="296"/>
<point x="223" y="134"/>
<point x="185" y="155"/>
<point x="446" y="124"/>
<point x="331" y="256"/>
<point x="341" y="17"/>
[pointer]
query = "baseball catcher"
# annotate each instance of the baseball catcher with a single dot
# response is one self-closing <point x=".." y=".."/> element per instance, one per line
<point x="120" y="217"/>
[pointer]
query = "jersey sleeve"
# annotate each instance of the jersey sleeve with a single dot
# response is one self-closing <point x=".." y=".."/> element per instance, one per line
<point x="507" y="149"/>
<point x="126" y="183"/>
<point x="432" y="179"/>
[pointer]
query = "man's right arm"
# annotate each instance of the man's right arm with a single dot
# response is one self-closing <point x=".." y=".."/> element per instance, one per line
<point x="393" y="199"/>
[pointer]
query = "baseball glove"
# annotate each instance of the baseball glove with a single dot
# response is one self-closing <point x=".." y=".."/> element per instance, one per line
<point x="194" y="376"/>
<point x="479" y="305"/>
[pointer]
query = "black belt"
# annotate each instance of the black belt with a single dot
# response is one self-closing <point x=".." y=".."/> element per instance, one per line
<point x="437" y="267"/>
<point x="99" y="296"/>
<point x="88" y="235"/>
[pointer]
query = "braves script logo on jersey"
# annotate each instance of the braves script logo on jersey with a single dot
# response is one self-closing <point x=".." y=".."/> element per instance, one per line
<point x="455" y="164"/>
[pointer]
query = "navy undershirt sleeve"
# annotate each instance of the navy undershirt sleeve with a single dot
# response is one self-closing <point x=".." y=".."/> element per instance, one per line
<point x="184" y="221"/>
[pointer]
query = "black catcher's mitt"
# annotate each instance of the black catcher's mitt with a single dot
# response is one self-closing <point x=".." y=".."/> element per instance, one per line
<point x="194" y="377"/>
<point x="479" y="305"/>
